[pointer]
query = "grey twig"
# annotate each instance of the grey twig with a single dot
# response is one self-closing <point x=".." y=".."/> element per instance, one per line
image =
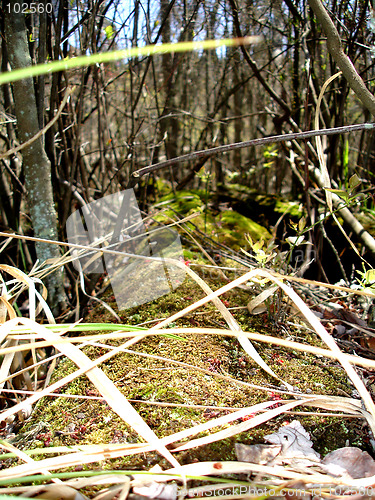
<point x="137" y="174"/>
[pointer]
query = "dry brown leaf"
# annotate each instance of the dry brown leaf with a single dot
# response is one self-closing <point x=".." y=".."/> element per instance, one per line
<point x="56" y="492"/>
<point x="353" y="460"/>
<point x="256" y="453"/>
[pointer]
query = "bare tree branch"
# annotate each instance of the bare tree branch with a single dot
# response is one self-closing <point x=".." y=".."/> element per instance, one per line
<point x="334" y="46"/>
<point x="137" y="174"/>
<point x="253" y="64"/>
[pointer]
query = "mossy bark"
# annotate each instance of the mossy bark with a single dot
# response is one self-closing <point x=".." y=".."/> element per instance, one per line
<point x="36" y="165"/>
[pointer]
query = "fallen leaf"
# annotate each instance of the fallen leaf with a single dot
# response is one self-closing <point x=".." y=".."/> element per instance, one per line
<point x="352" y="460"/>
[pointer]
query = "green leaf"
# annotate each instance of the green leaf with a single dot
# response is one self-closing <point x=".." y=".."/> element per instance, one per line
<point x="345" y="155"/>
<point x="354" y="181"/>
<point x="257" y="247"/>
<point x="109" y="33"/>
<point x="370" y="277"/>
<point x="340" y="192"/>
<point x="295" y="241"/>
<point x="302" y="224"/>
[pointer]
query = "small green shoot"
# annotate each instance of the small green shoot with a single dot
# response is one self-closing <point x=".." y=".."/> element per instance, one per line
<point x="349" y="194"/>
<point x="262" y="253"/>
<point x="367" y="280"/>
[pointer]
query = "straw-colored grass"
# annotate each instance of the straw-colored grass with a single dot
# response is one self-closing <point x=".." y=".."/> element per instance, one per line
<point x="89" y="352"/>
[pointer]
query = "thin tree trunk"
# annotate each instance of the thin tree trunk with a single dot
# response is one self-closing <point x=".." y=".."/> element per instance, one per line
<point x="36" y="165"/>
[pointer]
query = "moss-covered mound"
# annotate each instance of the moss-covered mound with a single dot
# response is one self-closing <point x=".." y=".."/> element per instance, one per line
<point x="223" y="225"/>
<point x="175" y="383"/>
<point x="171" y="397"/>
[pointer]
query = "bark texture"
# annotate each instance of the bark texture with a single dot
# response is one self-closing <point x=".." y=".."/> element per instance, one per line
<point x="37" y="168"/>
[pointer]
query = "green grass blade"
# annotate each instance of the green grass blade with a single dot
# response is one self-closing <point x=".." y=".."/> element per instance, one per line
<point x="105" y="57"/>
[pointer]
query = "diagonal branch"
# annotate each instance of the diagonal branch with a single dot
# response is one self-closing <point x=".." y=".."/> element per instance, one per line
<point x="334" y="46"/>
<point x="253" y="64"/>
<point x="137" y="174"/>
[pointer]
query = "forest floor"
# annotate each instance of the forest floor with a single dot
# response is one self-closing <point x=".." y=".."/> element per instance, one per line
<point x="172" y="397"/>
<point x="70" y="421"/>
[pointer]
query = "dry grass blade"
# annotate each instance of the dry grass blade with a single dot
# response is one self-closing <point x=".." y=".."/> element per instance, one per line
<point x="83" y="288"/>
<point x="336" y="403"/>
<point x="326" y="337"/>
<point x="232" y="323"/>
<point x="104" y="452"/>
<point x="230" y="320"/>
<point x="215" y="422"/>
<point x="345" y="289"/>
<point x="310" y="317"/>
<point x="5" y="243"/>
<point x="96" y="453"/>
<point x="322" y="162"/>
<point x="219" y="468"/>
<point x="23" y="456"/>
<point x="258" y="337"/>
<point x="319" y="145"/>
<point x="124" y="409"/>
<point x="6" y="364"/>
<point x="14" y="360"/>
<point x="234" y="326"/>
<point x="5" y="368"/>
<point x="242" y="427"/>
<point x="68" y="490"/>
<point x="105" y="386"/>
<point x="98" y="480"/>
<point x="6" y="307"/>
<point x="27" y="282"/>
<point x="256" y="305"/>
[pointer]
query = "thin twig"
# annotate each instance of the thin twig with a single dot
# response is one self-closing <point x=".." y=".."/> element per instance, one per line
<point x="137" y="256"/>
<point x="15" y="150"/>
<point x="137" y="174"/>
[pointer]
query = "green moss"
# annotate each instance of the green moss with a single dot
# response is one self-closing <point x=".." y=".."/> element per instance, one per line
<point x="147" y="380"/>
<point x="292" y="208"/>
<point x="238" y="225"/>
<point x="228" y="227"/>
<point x="183" y="202"/>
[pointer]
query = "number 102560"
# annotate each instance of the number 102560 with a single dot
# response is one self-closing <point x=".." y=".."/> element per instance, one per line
<point x="30" y="8"/>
